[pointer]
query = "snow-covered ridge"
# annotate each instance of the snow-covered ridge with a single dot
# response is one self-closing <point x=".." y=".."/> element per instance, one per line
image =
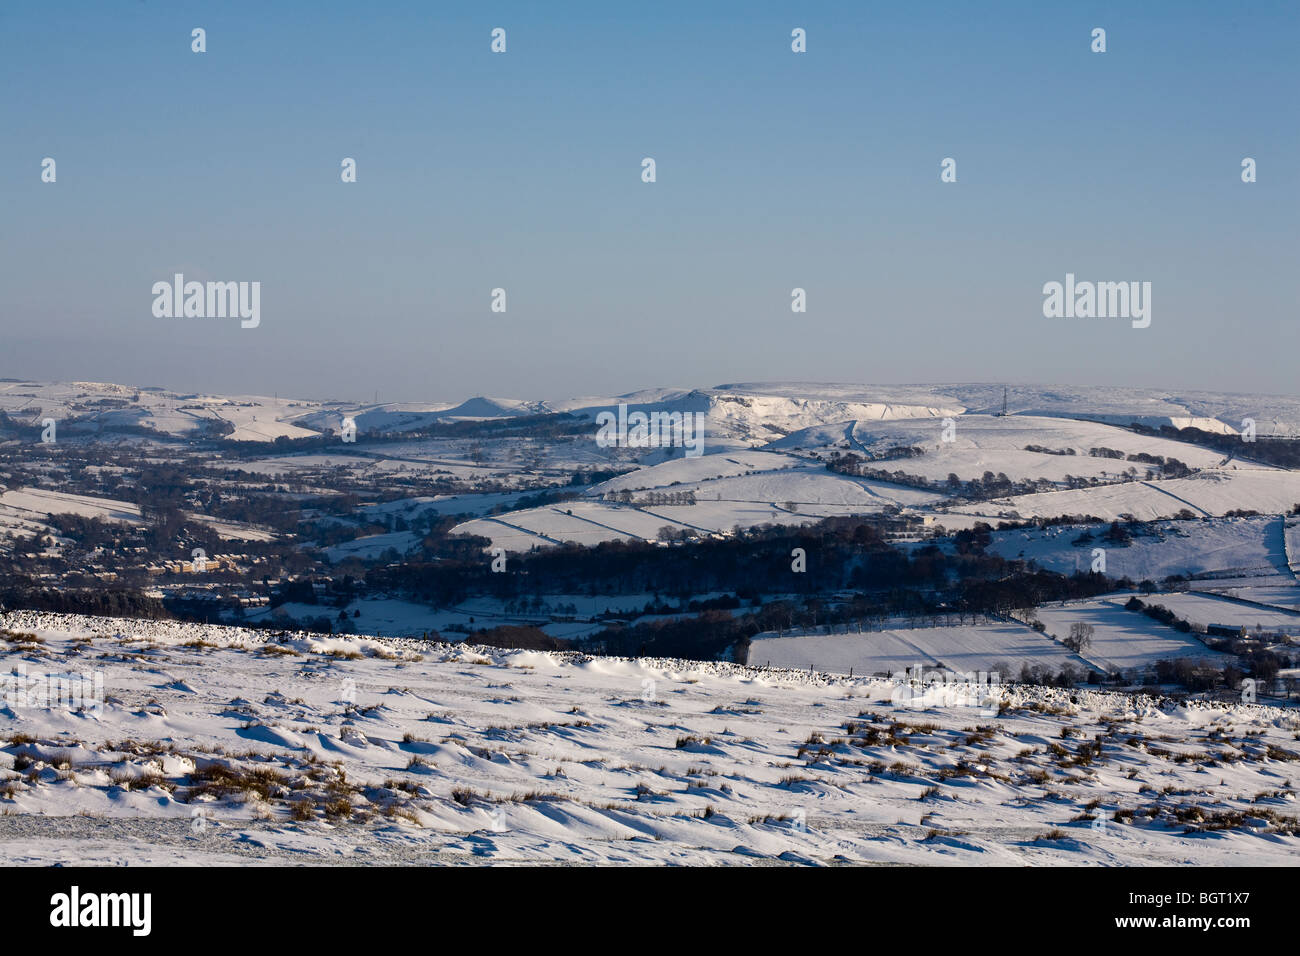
<point x="743" y="410"/>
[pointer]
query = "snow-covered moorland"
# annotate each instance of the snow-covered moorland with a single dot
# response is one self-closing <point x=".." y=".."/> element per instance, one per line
<point x="213" y="744"/>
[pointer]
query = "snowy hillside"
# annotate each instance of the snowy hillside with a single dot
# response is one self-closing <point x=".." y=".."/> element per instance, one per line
<point x="215" y="745"/>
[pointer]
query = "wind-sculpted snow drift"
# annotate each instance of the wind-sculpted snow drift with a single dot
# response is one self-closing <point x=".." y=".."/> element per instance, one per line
<point x="219" y="744"/>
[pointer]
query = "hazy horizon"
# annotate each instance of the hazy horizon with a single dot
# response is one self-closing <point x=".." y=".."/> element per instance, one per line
<point x="742" y="386"/>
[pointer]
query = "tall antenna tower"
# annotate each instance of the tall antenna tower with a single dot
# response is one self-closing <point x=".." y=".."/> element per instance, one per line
<point x="1004" y="401"/>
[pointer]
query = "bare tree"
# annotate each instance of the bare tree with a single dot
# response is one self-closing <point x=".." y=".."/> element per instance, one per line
<point x="1080" y="636"/>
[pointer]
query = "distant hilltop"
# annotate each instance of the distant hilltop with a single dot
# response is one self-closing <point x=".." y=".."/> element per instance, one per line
<point x="746" y="413"/>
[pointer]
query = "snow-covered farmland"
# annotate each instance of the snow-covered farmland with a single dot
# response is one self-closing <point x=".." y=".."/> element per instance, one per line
<point x="1205" y="609"/>
<point x="794" y="496"/>
<point x="1001" y="444"/>
<point x="27" y="510"/>
<point x="1202" y="547"/>
<point x="1211" y="493"/>
<point x="373" y="546"/>
<point x="1124" y="640"/>
<point x="36" y="504"/>
<point x="1286" y="597"/>
<point x="993" y="648"/>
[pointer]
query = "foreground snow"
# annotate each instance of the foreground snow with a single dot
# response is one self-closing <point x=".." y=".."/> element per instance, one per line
<point x="218" y="745"/>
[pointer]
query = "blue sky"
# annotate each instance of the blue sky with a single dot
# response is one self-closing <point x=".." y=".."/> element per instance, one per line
<point x="522" y="171"/>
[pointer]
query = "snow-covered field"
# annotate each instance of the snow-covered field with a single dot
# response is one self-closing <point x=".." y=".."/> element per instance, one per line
<point x="1210" y="493"/>
<point x="1001" y="648"/>
<point x="982" y="443"/>
<point x="212" y="745"/>
<point x="590" y="522"/>
<point x="24" y="511"/>
<point x="791" y="496"/>
<point x="1206" y="609"/>
<point x="1124" y="640"/>
<point x="372" y="546"/>
<point x="1121" y="641"/>
<point x="1291" y="541"/>
<point x="1286" y="597"/>
<point x="1244" y="546"/>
